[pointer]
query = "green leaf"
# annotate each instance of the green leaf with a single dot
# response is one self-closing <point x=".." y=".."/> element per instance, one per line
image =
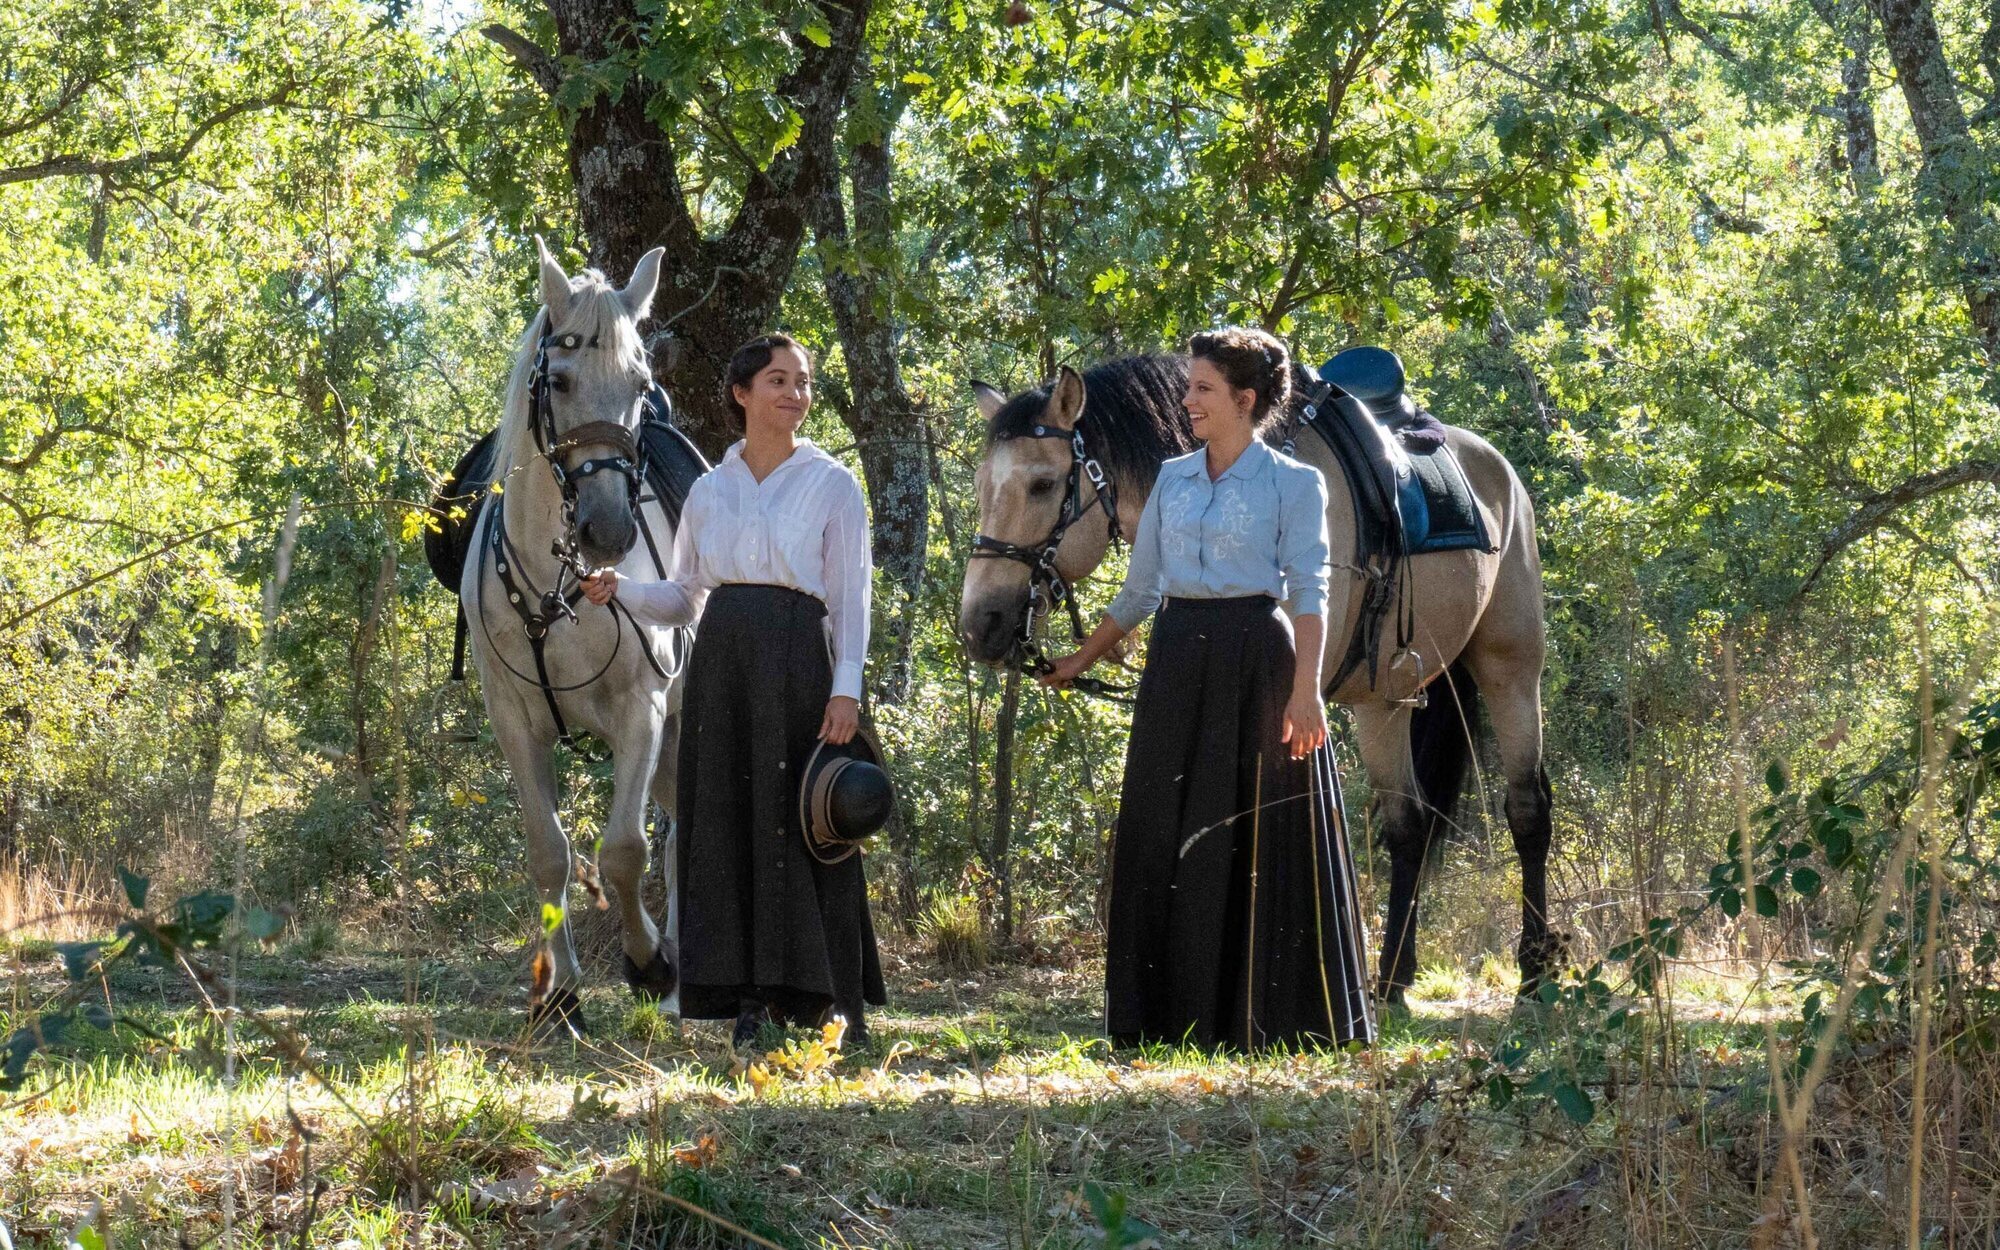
<point x="1805" y="881"/>
<point x="1499" y="1092"/>
<point x="135" y="886"/>
<point x="78" y="958"/>
<point x="1575" y="1103"/>
<point x="1774" y="777"/>
<point x="552" y="918"/>
<point x="1767" y="901"/>
<point x="819" y="36"/>
<point x="263" y="925"/>
<point x="87" y="1238"/>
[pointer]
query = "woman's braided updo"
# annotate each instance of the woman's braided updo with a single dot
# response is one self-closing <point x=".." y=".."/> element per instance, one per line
<point x="1249" y="360"/>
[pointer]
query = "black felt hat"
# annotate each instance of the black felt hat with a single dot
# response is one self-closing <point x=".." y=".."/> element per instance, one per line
<point x="845" y="796"/>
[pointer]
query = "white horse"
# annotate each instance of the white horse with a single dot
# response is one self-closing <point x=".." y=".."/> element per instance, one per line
<point x="550" y="662"/>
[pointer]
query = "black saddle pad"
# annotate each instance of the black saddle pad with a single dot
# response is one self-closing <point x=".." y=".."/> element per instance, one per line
<point x="673" y="463"/>
<point x="1437" y="507"/>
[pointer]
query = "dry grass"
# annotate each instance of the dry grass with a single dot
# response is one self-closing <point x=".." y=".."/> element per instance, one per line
<point x="983" y="1111"/>
<point x="51" y="901"/>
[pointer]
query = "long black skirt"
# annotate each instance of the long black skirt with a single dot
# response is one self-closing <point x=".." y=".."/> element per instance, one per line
<point x="1234" y="918"/>
<point x="761" y="917"/>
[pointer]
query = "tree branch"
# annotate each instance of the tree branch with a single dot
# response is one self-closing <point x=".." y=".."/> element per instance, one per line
<point x="529" y="55"/>
<point x="78" y="164"/>
<point x="1880" y="509"/>
<point x="71" y="92"/>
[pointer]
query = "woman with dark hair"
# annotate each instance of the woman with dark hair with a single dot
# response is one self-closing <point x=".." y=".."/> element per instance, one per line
<point x="1233" y="917"/>
<point x="773" y="555"/>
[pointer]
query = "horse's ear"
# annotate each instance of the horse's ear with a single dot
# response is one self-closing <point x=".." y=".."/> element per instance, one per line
<point x="989" y="400"/>
<point x="638" y="293"/>
<point x="555" y="283"/>
<point x="1066" y="404"/>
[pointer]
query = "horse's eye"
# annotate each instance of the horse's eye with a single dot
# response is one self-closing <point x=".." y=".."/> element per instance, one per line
<point x="1041" y="488"/>
<point x="557" y="382"/>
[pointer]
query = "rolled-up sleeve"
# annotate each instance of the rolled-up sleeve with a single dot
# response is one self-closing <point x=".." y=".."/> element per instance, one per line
<point x="850" y="570"/>
<point x="679" y="598"/>
<point x="1303" y="550"/>
<point x="1140" y="595"/>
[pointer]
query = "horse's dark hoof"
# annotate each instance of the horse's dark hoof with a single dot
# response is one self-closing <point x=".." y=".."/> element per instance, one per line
<point x="657" y="980"/>
<point x="559" y="1017"/>
<point x="1392" y="996"/>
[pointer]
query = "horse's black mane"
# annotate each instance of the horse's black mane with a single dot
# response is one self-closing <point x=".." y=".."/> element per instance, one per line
<point x="1132" y="414"/>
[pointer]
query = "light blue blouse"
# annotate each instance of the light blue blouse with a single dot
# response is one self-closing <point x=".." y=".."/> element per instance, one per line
<point x="1259" y="529"/>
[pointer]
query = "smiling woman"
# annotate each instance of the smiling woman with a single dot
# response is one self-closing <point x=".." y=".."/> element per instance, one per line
<point x="774" y="559"/>
<point x="1234" y="916"/>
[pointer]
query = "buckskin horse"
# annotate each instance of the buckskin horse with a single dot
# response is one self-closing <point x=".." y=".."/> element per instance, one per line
<point x="572" y="465"/>
<point x="1068" y="467"/>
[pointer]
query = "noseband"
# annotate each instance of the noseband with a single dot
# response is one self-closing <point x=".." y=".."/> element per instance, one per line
<point x="1048" y="589"/>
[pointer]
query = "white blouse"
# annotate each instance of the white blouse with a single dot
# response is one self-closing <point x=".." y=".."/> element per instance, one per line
<point x="804" y="526"/>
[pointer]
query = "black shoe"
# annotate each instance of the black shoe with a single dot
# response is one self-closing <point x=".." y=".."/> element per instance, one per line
<point x="856" y="1037"/>
<point x="750" y="1025"/>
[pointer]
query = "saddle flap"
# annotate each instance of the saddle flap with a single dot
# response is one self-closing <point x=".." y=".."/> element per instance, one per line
<point x="463" y="490"/>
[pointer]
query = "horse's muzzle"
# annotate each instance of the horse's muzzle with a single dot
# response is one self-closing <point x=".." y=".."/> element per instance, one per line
<point x="989" y="634"/>
<point x="606" y="540"/>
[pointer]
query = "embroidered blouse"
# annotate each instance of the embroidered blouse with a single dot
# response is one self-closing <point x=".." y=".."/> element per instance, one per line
<point x="1259" y="529"/>
<point x="804" y="526"/>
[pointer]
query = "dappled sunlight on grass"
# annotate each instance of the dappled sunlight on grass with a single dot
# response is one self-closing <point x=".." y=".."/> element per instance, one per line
<point x="973" y="1126"/>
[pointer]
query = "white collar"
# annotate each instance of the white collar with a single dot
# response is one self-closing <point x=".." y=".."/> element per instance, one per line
<point x="806" y="450"/>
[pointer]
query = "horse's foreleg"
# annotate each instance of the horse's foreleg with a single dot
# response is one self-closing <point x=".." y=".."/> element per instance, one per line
<point x="1383" y="735"/>
<point x="621" y="859"/>
<point x="533" y="767"/>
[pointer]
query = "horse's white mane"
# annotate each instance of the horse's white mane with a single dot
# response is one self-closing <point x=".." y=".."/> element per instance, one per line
<point x="595" y="309"/>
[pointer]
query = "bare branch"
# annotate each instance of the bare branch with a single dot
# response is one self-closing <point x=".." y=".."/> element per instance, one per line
<point x="529" y="55"/>
<point x="78" y="164"/>
<point x="1880" y="509"/>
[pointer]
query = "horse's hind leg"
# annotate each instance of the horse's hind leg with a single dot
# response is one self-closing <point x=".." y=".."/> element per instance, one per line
<point x="1509" y="672"/>
<point x="533" y="767"/>
<point x="1382" y="732"/>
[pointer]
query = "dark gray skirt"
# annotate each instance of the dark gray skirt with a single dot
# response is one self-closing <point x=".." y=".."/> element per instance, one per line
<point x="761" y="917"/>
<point x="1234" y="916"/>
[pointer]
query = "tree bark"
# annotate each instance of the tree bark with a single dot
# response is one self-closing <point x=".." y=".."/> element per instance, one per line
<point x="715" y="291"/>
<point x="884" y="420"/>
<point x="1953" y="164"/>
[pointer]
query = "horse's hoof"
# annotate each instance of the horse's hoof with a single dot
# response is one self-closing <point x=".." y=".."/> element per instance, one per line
<point x="559" y="1017"/>
<point x="1393" y="997"/>
<point x="656" y="981"/>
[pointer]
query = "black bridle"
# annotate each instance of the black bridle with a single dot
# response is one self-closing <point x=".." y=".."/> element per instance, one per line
<point x="540" y="609"/>
<point x="1048" y="589"/>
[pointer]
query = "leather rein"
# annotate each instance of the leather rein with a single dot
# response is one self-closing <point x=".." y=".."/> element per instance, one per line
<point x="539" y="609"/>
<point x="1048" y="589"/>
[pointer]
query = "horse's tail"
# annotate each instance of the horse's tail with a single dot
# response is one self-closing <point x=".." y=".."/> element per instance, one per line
<point x="1440" y="751"/>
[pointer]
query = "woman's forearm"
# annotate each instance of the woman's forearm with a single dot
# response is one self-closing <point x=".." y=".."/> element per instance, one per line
<point x="1309" y="632"/>
<point x="1100" y="642"/>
